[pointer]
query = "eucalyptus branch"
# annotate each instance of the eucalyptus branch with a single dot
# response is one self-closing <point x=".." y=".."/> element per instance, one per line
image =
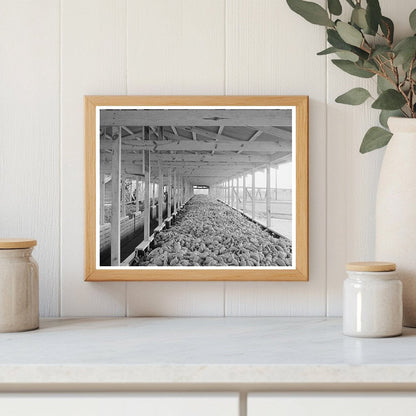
<point x="366" y="48"/>
<point x="411" y="82"/>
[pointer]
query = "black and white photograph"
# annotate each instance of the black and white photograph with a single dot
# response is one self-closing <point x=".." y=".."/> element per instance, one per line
<point x="201" y="187"/>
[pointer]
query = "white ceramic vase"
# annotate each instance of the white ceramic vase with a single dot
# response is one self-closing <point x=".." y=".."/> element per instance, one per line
<point x="396" y="210"/>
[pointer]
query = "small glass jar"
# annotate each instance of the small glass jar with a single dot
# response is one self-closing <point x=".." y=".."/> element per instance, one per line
<point x="19" y="286"/>
<point x="372" y="300"/>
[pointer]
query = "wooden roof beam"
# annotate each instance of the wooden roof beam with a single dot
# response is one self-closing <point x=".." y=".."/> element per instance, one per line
<point x="188" y="157"/>
<point x="210" y="134"/>
<point x="275" y="131"/>
<point x="250" y="140"/>
<point x="198" y="146"/>
<point x="191" y="117"/>
<point x="219" y="133"/>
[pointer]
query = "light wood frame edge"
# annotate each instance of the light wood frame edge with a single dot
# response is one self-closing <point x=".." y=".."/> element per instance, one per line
<point x="301" y="273"/>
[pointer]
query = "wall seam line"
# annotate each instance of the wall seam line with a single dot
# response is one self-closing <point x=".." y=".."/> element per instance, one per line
<point x="224" y="294"/>
<point x="60" y="292"/>
<point x="326" y="182"/>
<point x="127" y="93"/>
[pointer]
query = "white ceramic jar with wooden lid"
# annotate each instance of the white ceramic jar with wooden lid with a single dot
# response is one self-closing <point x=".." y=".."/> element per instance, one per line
<point x="372" y="300"/>
<point x="19" y="286"/>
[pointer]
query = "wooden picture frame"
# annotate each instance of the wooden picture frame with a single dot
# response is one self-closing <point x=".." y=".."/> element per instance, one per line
<point x="113" y="111"/>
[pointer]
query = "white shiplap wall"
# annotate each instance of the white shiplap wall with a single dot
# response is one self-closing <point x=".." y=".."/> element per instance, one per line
<point x="55" y="52"/>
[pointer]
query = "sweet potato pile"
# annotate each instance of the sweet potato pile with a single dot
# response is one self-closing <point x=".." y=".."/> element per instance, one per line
<point x="209" y="233"/>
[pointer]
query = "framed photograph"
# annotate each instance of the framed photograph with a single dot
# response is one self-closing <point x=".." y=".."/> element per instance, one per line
<point x="196" y="188"/>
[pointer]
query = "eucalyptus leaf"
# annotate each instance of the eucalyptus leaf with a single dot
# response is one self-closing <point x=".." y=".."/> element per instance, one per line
<point x="387" y="27"/>
<point x="386" y="114"/>
<point x="405" y="50"/>
<point x="381" y="50"/>
<point x="370" y="64"/>
<point x="348" y="56"/>
<point x="373" y="15"/>
<point x="389" y="100"/>
<point x="334" y="7"/>
<point x="375" y="138"/>
<point x="360" y="52"/>
<point x="335" y="40"/>
<point x="389" y="72"/>
<point x="383" y="84"/>
<point x="327" y="51"/>
<point x="358" y="18"/>
<point x="356" y="96"/>
<point x="349" y="34"/>
<point x="352" y="68"/>
<point x="311" y="12"/>
<point x="412" y="20"/>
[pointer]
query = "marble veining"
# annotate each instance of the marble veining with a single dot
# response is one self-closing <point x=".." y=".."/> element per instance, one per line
<point x="203" y="350"/>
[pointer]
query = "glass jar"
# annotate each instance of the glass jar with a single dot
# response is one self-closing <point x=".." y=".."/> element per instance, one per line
<point x="19" y="286"/>
<point x="372" y="300"/>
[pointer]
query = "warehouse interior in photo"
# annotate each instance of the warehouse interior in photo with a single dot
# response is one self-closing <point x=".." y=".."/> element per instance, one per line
<point x="196" y="187"/>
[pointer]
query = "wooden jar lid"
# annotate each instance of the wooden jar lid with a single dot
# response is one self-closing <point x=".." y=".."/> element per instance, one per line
<point x="371" y="266"/>
<point x="11" y="243"/>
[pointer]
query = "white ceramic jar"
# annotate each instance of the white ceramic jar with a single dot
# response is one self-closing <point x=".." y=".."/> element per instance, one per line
<point x="19" y="286"/>
<point x="372" y="300"/>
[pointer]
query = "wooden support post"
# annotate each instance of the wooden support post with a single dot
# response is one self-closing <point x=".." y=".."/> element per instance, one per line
<point x="174" y="192"/>
<point x="237" y="195"/>
<point x="137" y="195"/>
<point x="178" y="184"/>
<point x="169" y="192"/>
<point x="123" y="196"/>
<point x="226" y="191"/>
<point x="183" y="190"/>
<point x="115" y="196"/>
<point x="143" y="161"/>
<point x="277" y="175"/>
<point x="146" y="231"/>
<point x="268" y="197"/>
<point x="253" y="194"/>
<point x="232" y="192"/>
<point x="244" y="194"/>
<point x="102" y="198"/>
<point x="160" y="197"/>
<point x="153" y="194"/>
<point x="179" y="179"/>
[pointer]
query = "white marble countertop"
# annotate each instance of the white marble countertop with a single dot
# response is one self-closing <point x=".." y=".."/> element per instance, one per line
<point x="204" y="351"/>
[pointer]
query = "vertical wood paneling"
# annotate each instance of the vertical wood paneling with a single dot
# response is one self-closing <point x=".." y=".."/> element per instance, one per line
<point x="93" y="59"/>
<point x="175" y="47"/>
<point x="29" y="141"/>
<point x="352" y="177"/>
<point x="271" y="50"/>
